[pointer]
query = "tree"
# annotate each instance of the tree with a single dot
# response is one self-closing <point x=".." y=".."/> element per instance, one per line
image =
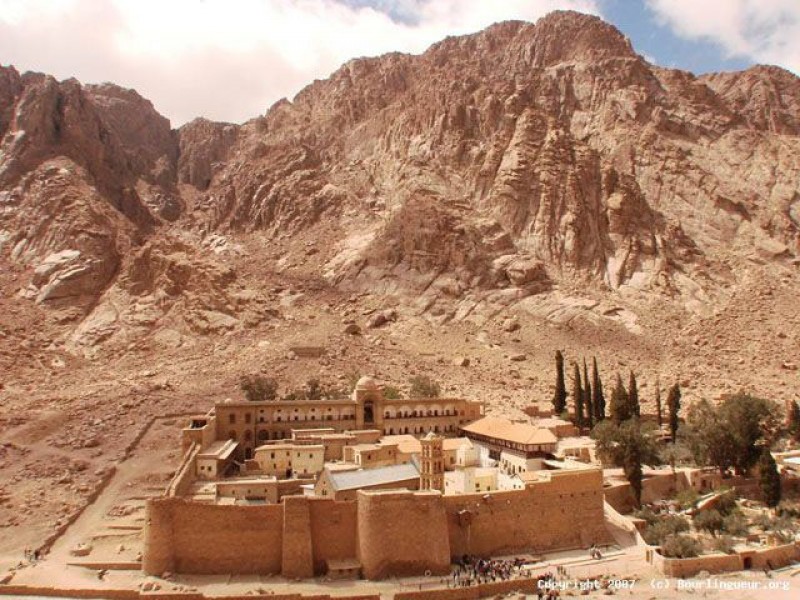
<point x="620" y="404"/>
<point x="390" y="392"/>
<point x="769" y="479"/>
<point x="730" y="435"/>
<point x="659" y="416"/>
<point x="313" y="389"/>
<point x="560" y="395"/>
<point x="626" y="446"/>
<point x="587" y="396"/>
<point x="633" y="396"/>
<point x="577" y="395"/>
<point x="752" y="422"/>
<point x="710" y="442"/>
<point x="598" y="399"/>
<point x="793" y="420"/>
<point x="258" y="388"/>
<point x="673" y="406"/>
<point x="423" y="386"/>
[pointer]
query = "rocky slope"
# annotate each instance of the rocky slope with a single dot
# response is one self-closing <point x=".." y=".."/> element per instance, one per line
<point x="540" y="169"/>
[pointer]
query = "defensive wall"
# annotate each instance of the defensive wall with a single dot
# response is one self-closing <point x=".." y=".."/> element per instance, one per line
<point x="563" y="512"/>
<point x="392" y="532"/>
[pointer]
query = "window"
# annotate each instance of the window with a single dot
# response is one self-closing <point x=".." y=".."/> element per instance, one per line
<point x="247" y="418"/>
<point x="232" y="418"/>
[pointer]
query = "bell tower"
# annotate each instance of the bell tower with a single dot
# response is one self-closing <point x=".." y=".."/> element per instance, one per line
<point x="431" y="475"/>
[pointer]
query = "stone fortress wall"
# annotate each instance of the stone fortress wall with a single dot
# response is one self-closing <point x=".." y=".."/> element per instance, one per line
<point x="396" y="532"/>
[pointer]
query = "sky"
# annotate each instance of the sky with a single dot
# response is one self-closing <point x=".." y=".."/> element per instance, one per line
<point x="229" y="60"/>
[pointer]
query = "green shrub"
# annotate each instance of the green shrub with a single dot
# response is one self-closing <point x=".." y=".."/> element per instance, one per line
<point x="423" y="386"/>
<point x="724" y="544"/>
<point x="709" y="520"/>
<point x="735" y="524"/>
<point x="686" y="498"/>
<point x="726" y="503"/>
<point x="656" y="533"/>
<point x="680" y="546"/>
<point x="647" y="514"/>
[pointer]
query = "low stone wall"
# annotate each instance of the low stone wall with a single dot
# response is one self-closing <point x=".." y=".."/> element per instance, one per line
<point x="16" y="591"/>
<point x="688" y="567"/>
<point x="486" y="590"/>
<point x="186" y="474"/>
<point x="758" y="558"/>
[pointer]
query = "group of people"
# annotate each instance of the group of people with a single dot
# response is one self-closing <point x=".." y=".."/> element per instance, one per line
<point x="594" y="552"/>
<point x="475" y="571"/>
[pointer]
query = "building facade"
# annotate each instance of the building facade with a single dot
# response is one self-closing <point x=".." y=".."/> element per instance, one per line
<point x="252" y="424"/>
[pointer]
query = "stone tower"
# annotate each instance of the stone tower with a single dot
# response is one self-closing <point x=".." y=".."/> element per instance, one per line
<point x="431" y="467"/>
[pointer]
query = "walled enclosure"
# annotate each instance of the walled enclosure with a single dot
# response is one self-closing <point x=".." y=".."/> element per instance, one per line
<point x="391" y="532"/>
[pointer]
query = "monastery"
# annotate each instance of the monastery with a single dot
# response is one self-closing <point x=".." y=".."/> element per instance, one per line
<point x="369" y="487"/>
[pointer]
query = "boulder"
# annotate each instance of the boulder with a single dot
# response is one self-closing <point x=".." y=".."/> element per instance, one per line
<point x="352" y="329"/>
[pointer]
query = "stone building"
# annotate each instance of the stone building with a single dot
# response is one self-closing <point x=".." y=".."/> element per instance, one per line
<point x="252" y="424"/>
<point x="518" y="447"/>
<point x="343" y="485"/>
<point x="285" y="460"/>
<point x="373" y="455"/>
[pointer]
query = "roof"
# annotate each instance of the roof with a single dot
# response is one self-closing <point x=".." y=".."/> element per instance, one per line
<point x="516" y="433"/>
<point x="408" y="444"/>
<point x="219" y="450"/>
<point x="456" y="443"/>
<point x="365" y="478"/>
<point x="371" y="447"/>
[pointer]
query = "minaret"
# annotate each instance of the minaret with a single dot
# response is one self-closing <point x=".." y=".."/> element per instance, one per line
<point x="431" y="474"/>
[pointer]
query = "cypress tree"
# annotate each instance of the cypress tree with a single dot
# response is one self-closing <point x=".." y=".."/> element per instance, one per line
<point x="673" y="406"/>
<point x="659" y="416"/>
<point x="633" y="397"/>
<point x="769" y="479"/>
<point x="793" y="420"/>
<point x="560" y="396"/>
<point x="587" y="396"/>
<point x="633" y="473"/>
<point x="620" y="409"/>
<point x="598" y="399"/>
<point x="577" y="395"/>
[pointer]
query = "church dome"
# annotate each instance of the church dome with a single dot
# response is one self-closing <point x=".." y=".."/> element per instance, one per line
<point x="367" y="383"/>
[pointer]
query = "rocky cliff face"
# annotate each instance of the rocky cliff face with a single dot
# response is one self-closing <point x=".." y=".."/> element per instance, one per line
<point x="491" y="168"/>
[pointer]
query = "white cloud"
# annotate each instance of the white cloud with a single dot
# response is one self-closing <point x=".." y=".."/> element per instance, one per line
<point x="230" y="59"/>
<point x="766" y="31"/>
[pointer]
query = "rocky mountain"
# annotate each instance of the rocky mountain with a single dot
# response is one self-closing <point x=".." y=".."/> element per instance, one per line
<point x="544" y="170"/>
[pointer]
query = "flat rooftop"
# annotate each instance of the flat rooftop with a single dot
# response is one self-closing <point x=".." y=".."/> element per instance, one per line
<point x="220" y="450"/>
